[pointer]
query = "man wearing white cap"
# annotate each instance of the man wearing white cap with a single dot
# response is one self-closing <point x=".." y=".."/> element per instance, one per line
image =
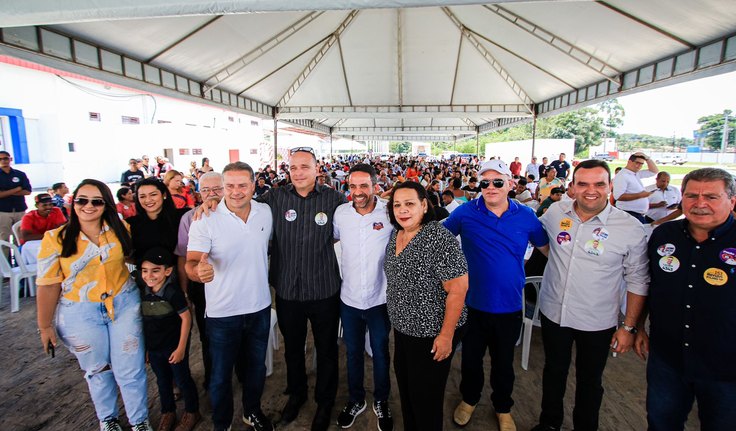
<point x="495" y="232"/>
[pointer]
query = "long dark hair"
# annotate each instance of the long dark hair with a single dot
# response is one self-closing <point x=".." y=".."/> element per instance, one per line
<point x="70" y="232"/>
<point x="423" y="196"/>
<point x="168" y="209"/>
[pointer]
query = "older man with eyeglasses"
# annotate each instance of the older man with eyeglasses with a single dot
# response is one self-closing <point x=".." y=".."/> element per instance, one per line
<point x="495" y="231"/>
<point x="14" y="186"/>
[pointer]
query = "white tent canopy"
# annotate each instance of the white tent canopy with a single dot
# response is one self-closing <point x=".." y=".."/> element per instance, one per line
<point x="373" y="70"/>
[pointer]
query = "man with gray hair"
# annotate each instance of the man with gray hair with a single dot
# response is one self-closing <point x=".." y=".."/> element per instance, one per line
<point x="664" y="198"/>
<point x="691" y="298"/>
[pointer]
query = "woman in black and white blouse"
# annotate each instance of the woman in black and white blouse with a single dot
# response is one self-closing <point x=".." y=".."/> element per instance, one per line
<point x="427" y="279"/>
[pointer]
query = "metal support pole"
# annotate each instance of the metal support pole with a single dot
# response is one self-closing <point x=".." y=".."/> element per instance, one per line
<point x="534" y="135"/>
<point x="477" y="144"/>
<point x="724" y="138"/>
<point x="330" y="145"/>
<point x="275" y="141"/>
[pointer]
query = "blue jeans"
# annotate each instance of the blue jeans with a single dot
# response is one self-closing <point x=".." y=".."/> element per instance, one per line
<point x="111" y="352"/>
<point x="670" y="398"/>
<point x="354" y="322"/>
<point x="166" y="374"/>
<point x="244" y="337"/>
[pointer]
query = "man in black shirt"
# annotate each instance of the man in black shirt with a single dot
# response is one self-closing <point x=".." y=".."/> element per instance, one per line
<point x="562" y="167"/>
<point x="472" y="189"/>
<point x="132" y="175"/>
<point x="261" y="187"/>
<point x="14" y="186"/>
<point x="543" y="168"/>
<point x="691" y="298"/>
<point x="306" y="278"/>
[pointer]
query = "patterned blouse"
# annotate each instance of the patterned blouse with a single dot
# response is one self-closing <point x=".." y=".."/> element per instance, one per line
<point x="93" y="274"/>
<point x="415" y="296"/>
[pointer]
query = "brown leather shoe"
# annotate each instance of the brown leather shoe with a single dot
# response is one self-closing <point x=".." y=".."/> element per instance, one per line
<point x="167" y="421"/>
<point x="505" y="422"/>
<point x="188" y="421"/>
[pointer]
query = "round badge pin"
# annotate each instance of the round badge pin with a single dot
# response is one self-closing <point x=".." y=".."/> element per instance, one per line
<point x="594" y="247"/>
<point x="290" y="215"/>
<point x="15" y="180"/>
<point x="600" y="233"/>
<point x="320" y="219"/>
<point x="565" y="224"/>
<point x="669" y="263"/>
<point x="666" y="249"/>
<point x="563" y="238"/>
<point x="715" y="276"/>
<point x="728" y="255"/>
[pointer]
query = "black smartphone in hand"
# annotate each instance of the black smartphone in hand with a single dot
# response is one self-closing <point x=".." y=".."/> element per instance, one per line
<point x="52" y="352"/>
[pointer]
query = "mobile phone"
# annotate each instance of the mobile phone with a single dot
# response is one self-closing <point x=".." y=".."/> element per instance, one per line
<point x="614" y="353"/>
<point x="52" y="352"/>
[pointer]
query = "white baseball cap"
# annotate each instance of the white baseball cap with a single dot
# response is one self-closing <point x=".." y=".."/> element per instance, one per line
<point x="495" y="165"/>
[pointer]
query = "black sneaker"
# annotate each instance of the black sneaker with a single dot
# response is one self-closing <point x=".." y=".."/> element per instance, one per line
<point x="110" y="425"/>
<point x="292" y="407"/>
<point x="348" y="414"/>
<point x="258" y="421"/>
<point x="383" y="413"/>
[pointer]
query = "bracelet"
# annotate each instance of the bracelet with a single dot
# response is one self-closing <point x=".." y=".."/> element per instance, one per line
<point x="38" y="330"/>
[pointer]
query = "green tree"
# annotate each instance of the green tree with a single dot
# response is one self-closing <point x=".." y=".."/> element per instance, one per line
<point x="399" y="147"/>
<point x="584" y="125"/>
<point x="711" y="129"/>
<point x="613" y="116"/>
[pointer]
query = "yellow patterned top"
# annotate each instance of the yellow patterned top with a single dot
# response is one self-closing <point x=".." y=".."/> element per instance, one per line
<point x="93" y="274"/>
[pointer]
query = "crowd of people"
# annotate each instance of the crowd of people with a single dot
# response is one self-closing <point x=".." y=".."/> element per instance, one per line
<point x="434" y="252"/>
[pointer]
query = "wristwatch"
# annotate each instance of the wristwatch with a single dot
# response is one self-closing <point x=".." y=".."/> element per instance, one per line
<point x="630" y="329"/>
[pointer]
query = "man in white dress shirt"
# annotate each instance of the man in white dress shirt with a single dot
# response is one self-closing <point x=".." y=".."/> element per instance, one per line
<point x="628" y="189"/>
<point x="594" y="248"/>
<point x="664" y="198"/>
<point x="364" y="229"/>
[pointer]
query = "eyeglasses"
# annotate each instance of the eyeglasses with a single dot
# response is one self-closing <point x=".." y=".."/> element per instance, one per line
<point x="211" y="189"/>
<point x="302" y="149"/>
<point x="3" y="159"/>
<point x="497" y="183"/>
<point x="84" y="201"/>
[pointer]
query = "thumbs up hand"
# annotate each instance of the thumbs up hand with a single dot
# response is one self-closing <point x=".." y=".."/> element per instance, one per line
<point x="205" y="270"/>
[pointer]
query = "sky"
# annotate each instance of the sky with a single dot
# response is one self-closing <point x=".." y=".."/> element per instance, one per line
<point x="676" y="108"/>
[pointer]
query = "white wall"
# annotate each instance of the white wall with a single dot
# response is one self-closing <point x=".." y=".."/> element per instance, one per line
<point x="56" y="112"/>
<point x="550" y="148"/>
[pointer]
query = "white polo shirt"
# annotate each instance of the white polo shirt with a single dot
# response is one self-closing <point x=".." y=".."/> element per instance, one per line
<point x="238" y="251"/>
<point x="671" y="195"/>
<point x="363" y="239"/>
<point x="628" y="181"/>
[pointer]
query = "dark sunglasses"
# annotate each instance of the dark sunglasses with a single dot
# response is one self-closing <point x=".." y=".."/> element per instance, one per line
<point x="84" y="201"/>
<point x="497" y="183"/>
<point x="302" y="149"/>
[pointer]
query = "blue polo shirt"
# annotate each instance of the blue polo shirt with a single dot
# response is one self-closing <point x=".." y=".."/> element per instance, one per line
<point x="494" y="248"/>
<point x="9" y="181"/>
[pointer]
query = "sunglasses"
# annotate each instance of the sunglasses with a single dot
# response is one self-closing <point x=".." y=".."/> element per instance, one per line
<point x="302" y="149"/>
<point x="497" y="183"/>
<point x="84" y="201"/>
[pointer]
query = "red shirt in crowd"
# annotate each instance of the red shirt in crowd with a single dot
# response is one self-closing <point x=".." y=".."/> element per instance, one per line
<point x="126" y="210"/>
<point x="34" y="223"/>
<point x="515" y="168"/>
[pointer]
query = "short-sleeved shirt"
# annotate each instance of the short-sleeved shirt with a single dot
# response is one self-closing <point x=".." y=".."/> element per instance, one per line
<point x="93" y="274"/>
<point x="415" y="296"/>
<point x="125" y="210"/>
<point x="363" y="240"/>
<point x="130" y="177"/>
<point x="59" y="203"/>
<point x="691" y="300"/>
<point x="588" y="263"/>
<point x="494" y="248"/>
<point x="148" y="233"/>
<point x="161" y="321"/>
<point x="627" y="181"/>
<point x="9" y="181"/>
<point x="36" y="224"/>
<point x="303" y="262"/>
<point x="671" y="196"/>
<point x="545" y="187"/>
<point x="238" y="251"/>
<point x="561" y="166"/>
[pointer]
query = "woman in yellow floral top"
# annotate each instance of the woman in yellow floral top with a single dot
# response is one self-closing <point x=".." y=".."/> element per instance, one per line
<point x="83" y="282"/>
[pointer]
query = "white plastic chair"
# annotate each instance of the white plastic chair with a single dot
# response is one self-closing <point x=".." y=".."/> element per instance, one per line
<point x="16" y="274"/>
<point x="529" y="323"/>
<point x="16" y="232"/>
<point x="273" y="343"/>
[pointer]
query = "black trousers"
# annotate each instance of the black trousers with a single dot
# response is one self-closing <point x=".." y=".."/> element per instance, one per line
<point x="592" y="353"/>
<point x="323" y="315"/>
<point x="196" y="295"/>
<point x="421" y="380"/>
<point x="496" y="333"/>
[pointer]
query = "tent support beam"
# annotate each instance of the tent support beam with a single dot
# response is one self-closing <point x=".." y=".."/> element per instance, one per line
<point x="182" y="39"/>
<point x="226" y="73"/>
<point x="344" y="72"/>
<point x="275" y="140"/>
<point x="578" y="54"/>
<point x="399" y="54"/>
<point x="646" y="24"/>
<point x="457" y="67"/>
<point x="406" y="111"/>
<point x="404" y="129"/>
<point x="294" y="87"/>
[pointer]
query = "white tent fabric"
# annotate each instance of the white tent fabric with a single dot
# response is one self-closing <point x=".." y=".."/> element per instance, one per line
<point x="393" y="69"/>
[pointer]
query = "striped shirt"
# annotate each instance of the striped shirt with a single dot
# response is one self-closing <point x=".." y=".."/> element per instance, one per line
<point x="303" y="262"/>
